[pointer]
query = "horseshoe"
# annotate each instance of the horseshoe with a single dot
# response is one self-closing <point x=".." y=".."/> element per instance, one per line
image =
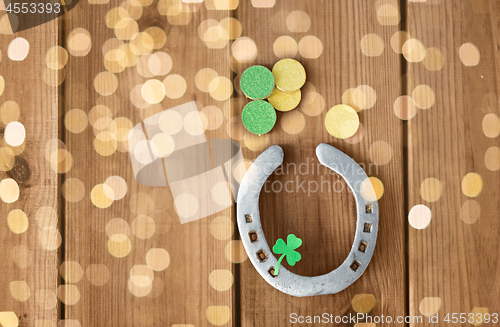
<point x="257" y="248"/>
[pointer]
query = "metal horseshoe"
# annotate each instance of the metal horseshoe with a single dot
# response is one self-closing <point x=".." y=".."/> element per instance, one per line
<point x="257" y="248"/>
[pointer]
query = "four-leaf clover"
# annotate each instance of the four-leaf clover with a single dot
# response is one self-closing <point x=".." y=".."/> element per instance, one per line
<point x="287" y="250"/>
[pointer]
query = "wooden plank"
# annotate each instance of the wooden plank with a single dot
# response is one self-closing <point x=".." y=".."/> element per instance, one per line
<point x="29" y="236"/>
<point x="325" y="219"/>
<point x="451" y="266"/>
<point x="182" y="293"/>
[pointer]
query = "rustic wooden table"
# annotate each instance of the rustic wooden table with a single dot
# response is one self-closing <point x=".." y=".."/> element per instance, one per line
<point x="423" y="75"/>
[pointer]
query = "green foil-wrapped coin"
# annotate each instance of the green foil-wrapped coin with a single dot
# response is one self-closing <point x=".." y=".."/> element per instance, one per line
<point x="257" y="82"/>
<point x="258" y="117"/>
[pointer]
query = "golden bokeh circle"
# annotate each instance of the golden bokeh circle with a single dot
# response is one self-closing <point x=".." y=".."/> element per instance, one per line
<point x="285" y="47"/>
<point x="158" y="35"/>
<point x="310" y="47"/>
<point x="17" y="221"/>
<point x="73" y="190"/>
<point x="105" y="83"/>
<point x="431" y="189"/>
<point x="46" y="217"/>
<point x="244" y="49"/>
<point x="479" y="314"/>
<point x="50" y="238"/>
<point x="71" y="271"/>
<point x="153" y="91"/>
<point x="413" y="50"/>
<point x="97" y="274"/>
<point x="372" y="189"/>
<point x="354" y="98"/>
<point x="105" y="143"/>
<point x="117" y="226"/>
<point x="293" y="122"/>
<point x="220" y="88"/>
<point x="380" y="152"/>
<point x="213" y="117"/>
<point x="388" y="14"/>
<point x="357" y="137"/>
<point x="143" y="227"/>
<point x="175" y="86"/>
<point x="363" y="303"/>
<point x="20" y="290"/>
<point x="158" y="259"/>
<point x="9" y="112"/>
<point x="119" y="245"/>
<point x="75" y="120"/>
<point x="372" y="45"/>
<point x="203" y="78"/>
<point x="98" y="196"/>
<point x="398" y="39"/>
<point x="404" y="107"/>
<point x="469" y="54"/>
<point x="141" y="204"/>
<point x="221" y="279"/>
<point x="114" y="15"/>
<point x="491" y="125"/>
<point x="232" y="27"/>
<point x="235" y="252"/>
<point x="79" y="42"/>
<point x="434" y="59"/>
<point x="472" y="185"/>
<point x="56" y="57"/>
<point x="492" y="158"/>
<point x="423" y="96"/>
<point x="218" y="315"/>
<point x="256" y="143"/>
<point x="7" y="158"/>
<point x="221" y="228"/>
<point x="313" y="103"/>
<point x="46" y="299"/>
<point x="126" y="28"/>
<point x="430" y="306"/>
<point x="298" y="21"/>
<point x="68" y="294"/>
<point x="470" y="212"/>
<point x="118" y="185"/>
<point x="9" y="190"/>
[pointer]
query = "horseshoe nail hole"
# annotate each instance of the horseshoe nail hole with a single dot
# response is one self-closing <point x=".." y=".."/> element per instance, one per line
<point x="355" y="265"/>
<point x="271" y="271"/>
<point x="367" y="228"/>
<point x="248" y="218"/>
<point x="363" y="246"/>
<point x="254" y="237"/>
<point x="369" y="208"/>
<point x="261" y="255"/>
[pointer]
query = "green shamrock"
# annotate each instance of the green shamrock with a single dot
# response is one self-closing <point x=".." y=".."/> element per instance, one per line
<point x="287" y="250"/>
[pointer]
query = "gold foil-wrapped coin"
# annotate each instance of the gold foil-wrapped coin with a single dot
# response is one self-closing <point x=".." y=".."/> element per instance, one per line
<point x="289" y="75"/>
<point x="342" y="121"/>
<point x="284" y="101"/>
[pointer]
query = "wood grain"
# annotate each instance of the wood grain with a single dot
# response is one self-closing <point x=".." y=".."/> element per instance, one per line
<point x="182" y="293"/>
<point x="451" y="259"/>
<point x="326" y="220"/>
<point x="450" y="266"/>
<point x="23" y="257"/>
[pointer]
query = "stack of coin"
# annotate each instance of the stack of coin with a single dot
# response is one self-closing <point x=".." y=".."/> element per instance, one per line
<point x="281" y="88"/>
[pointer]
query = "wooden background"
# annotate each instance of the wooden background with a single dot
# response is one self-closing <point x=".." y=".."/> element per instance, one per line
<point x="450" y="266"/>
